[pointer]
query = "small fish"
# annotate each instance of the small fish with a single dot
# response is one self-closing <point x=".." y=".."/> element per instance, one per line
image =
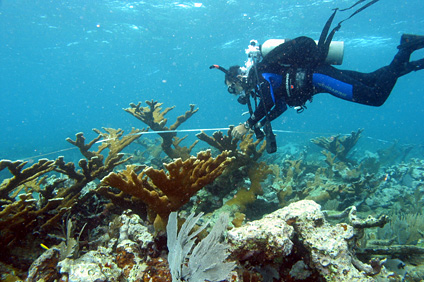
<point x="397" y="266"/>
<point x="42" y="245"/>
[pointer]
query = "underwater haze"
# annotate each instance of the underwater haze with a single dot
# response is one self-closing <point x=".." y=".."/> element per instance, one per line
<point x="71" y="66"/>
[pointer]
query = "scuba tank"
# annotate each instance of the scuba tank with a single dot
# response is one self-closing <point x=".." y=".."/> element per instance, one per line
<point x="334" y="57"/>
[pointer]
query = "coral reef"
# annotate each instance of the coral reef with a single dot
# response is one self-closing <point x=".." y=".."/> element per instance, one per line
<point x="342" y="183"/>
<point x="290" y="244"/>
<point x="256" y="173"/>
<point x="123" y="258"/>
<point x="325" y="249"/>
<point x="279" y="231"/>
<point x="164" y="193"/>
<point x="220" y="141"/>
<point x="154" y="117"/>
<point x="250" y="149"/>
<point x="338" y="145"/>
<point x="245" y="152"/>
<point x="21" y="176"/>
<point x="33" y="204"/>
<point x="245" y="164"/>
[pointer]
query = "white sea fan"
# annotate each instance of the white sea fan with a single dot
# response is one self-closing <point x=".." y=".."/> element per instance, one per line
<point x="206" y="261"/>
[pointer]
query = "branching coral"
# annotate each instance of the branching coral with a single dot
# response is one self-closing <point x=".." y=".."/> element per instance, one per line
<point x="113" y="140"/>
<point x="257" y="173"/>
<point x="27" y="214"/>
<point x="250" y="148"/>
<point x="154" y="117"/>
<point x="21" y="175"/>
<point x="245" y="158"/>
<point x="167" y="192"/>
<point x="150" y="151"/>
<point x="18" y="215"/>
<point x="92" y="168"/>
<point x="339" y="145"/>
<point x="247" y="152"/>
<point x="219" y="141"/>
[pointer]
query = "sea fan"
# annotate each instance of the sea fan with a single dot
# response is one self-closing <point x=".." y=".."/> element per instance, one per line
<point x="206" y="261"/>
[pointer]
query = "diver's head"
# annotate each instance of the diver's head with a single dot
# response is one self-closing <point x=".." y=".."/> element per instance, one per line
<point x="233" y="79"/>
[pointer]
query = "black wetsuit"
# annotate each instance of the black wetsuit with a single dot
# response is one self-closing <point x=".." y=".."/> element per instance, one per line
<point x="294" y="71"/>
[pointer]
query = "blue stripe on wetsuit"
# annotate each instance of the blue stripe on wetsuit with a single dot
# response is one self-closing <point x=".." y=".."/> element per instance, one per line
<point x="274" y="80"/>
<point x="333" y="86"/>
<point x="280" y="106"/>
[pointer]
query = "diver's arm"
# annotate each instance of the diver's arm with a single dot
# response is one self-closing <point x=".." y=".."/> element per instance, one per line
<point x="258" y="115"/>
<point x="242" y="129"/>
<point x="277" y="111"/>
<point x="258" y="118"/>
<point x="252" y="123"/>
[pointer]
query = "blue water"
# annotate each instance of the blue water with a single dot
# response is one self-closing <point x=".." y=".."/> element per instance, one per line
<point x="70" y="66"/>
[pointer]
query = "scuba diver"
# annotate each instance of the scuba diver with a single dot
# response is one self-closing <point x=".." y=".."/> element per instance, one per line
<point x="291" y="73"/>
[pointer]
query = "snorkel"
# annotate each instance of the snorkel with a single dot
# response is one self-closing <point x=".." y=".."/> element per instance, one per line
<point x="228" y="75"/>
<point x="235" y="75"/>
<point x="219" y="68"/>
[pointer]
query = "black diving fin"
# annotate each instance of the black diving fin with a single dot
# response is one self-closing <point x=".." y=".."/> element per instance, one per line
<point x="271" y="142"/>
<point x="411" y="42"/>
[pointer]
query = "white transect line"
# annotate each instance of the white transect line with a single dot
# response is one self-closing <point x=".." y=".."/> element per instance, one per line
<point x="170" y="131"/>
<point x="198" y="130"/>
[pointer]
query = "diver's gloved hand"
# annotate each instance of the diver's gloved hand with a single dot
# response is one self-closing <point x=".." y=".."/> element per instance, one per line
<point x="239" y="131"/>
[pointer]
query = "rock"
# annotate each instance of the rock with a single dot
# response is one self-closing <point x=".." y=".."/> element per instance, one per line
<point x="327" y="245"/>
<point x="300" y="271"/>
<point x="128" y="259"/>
<point x="98" y="265"/>
<point x="272" y="238"/>
<point x="132" y="228"/>
<point x="44" y="267"/>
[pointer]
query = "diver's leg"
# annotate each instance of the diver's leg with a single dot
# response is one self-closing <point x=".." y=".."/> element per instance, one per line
<point x="370" y="88"/>
<point x="363" y="88"/>
<point x="417" y="65"/>
<point x="408" y="44"/>
<point x="400" y="69"/>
